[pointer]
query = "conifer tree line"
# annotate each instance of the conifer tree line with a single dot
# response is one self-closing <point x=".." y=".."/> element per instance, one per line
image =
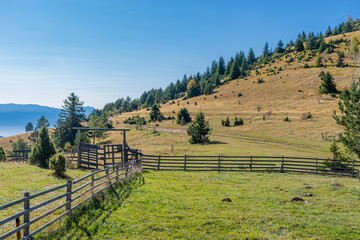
<point x="221" y="71"/>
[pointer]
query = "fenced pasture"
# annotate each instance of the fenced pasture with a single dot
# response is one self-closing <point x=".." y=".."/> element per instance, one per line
<point x="188" y="205"/>
<point x="223" y="163"/>
<point x="40" y="210"/>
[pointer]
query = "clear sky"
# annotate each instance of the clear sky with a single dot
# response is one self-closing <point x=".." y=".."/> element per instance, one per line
<point x="104" y="50"/>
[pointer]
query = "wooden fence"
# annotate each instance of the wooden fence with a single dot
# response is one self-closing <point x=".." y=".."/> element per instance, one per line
<point x="19" y="155"/>
<point x="251" y="163"/>
<point x="67" y="197"/>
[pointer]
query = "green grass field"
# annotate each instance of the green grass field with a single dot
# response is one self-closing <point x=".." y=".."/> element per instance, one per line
<point x="187" y="205"/>
<point x="15" y="179"/>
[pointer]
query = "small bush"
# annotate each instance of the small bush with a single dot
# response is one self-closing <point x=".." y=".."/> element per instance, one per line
<point x="286" y="119"/>
<point x="225" y="123"/>
<point x="306" y="65"/>
<point x="306" y="116"/>
<point x="57" y="163"/>
<point x="215" y="96"/>
<point x="239" y="95"/>
<point x="260" y="80"/>
<point x="238" y="122"/>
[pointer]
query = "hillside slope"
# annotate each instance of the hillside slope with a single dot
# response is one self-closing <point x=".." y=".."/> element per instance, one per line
<point x="292" y="92"/>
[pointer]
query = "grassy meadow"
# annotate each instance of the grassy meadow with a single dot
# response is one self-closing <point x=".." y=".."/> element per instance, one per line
<point x="188" y="205"/>
<point x="17" y="178"/>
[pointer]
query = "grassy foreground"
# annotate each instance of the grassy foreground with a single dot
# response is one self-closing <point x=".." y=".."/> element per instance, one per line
<point x="17" y="178"/>
<point x="187" y="205"/>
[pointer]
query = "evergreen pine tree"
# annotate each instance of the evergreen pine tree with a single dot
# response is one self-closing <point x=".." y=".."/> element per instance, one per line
<point x="280" y="47"/>
<point x="319" y="62"/>
<point x="220" y="67"/>
<point x="340" y="60"/>
<point x="234" y="71"/>
<point x="299" y="45"/>
<point x="29" y="127"/>
<point x="350" y="118"/>
<point x="251" y="57"/>
<point x="199" y="130"/>
<point x="71" y="115"/>
<point x="328" y="32"/>
<point x="183" y="116"/>
<point x="2" y="154"/>
<point x="155" y="114"/>
<point x="228" y="66"/>
<point x="266" y="50"/>
<point x="328" y="85"/>
<point x="41" y="122"/>
<point x="311" y="42"/>
<point x="43" y="149"/>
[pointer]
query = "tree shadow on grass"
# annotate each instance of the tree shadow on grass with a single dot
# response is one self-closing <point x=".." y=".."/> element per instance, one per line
<point x="216" y="142"/>
<point x="85" y="221"/>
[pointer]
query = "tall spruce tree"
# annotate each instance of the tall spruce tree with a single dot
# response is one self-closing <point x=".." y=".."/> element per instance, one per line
<point x="71" y="115"/>
<point x="280" y="47"/>
<point x="349" y="118"/>
<point x="235" y="70"/>
<point x="328" y="85"/>
<point x="220" y="67"/>
<point x="29" y="127"/>
<point x="266" y="50"/>
<point x="43" y="149"/>
<point x="199" y="130"/>
<point x="251" y="57"/>
<point x="299" y="45"/>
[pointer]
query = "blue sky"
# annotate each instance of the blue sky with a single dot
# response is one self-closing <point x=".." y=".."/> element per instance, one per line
<point x="104" y="50"/>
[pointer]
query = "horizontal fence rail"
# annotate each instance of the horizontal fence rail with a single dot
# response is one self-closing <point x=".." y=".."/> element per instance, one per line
<point x="252" y="164"/>
<point x="62" y="200"/>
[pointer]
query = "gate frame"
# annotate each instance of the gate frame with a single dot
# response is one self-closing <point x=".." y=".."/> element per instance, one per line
<point x="79" y="129"/>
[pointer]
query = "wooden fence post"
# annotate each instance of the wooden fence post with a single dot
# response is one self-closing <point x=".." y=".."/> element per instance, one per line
<point x="68" y="197"/>
<point x="27" y="215"/>
<point x="97" y="158"/>
<point x="127" y="169"/>
<point x="185" y="162"/>
<point x="18" y="234"/>
<point x="251" y="158"/>
<point x="78" y="149"/>
<point x="316" y="165"/>
<point x="117" y="172"/>
<point x="105" y="156"/>
<point x="158" y="166"/>
<point x="282" y="164"/>
<point x="353" y="169"/>
<point x="92" y="182"/>
<point x="219" y="162"/>
<point x="107" y="176"/>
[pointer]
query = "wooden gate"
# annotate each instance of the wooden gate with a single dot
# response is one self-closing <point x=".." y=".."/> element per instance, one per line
<point x="100" y="156"/>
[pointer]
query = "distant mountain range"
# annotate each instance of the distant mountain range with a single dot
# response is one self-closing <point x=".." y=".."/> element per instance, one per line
<point x="14" y="117"/>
